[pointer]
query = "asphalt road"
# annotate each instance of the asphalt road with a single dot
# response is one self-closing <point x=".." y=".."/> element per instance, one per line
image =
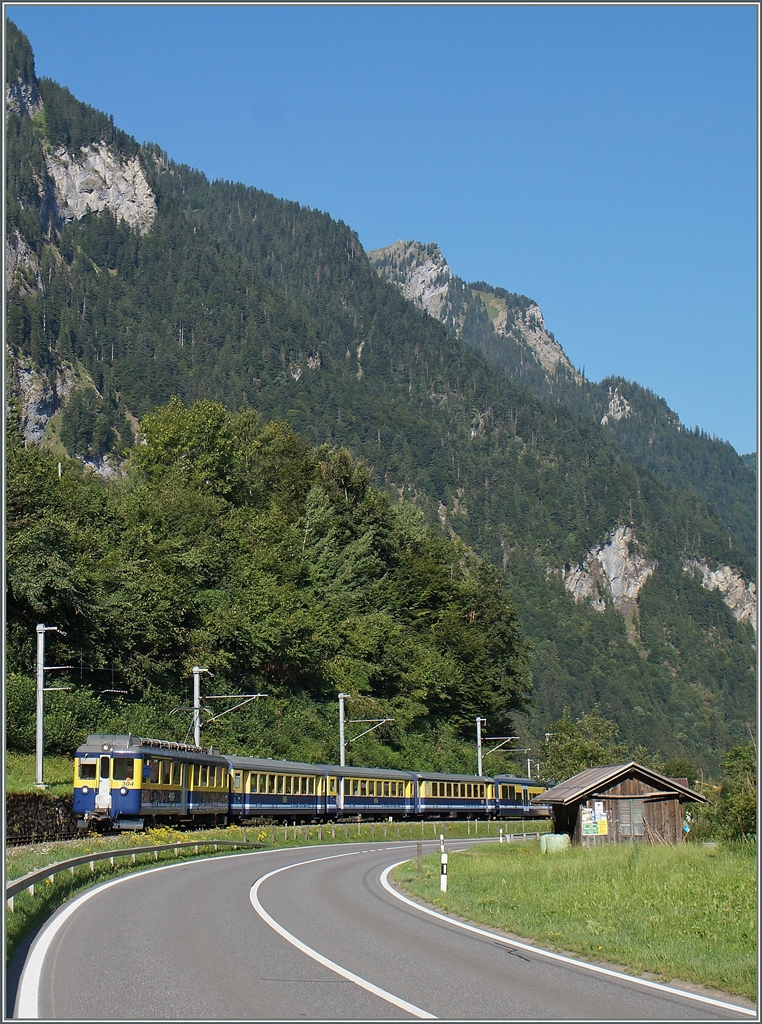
<point x="318" y="938"/>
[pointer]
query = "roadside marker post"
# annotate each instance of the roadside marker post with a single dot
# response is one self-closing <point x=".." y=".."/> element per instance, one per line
<point x="443" y="874"/>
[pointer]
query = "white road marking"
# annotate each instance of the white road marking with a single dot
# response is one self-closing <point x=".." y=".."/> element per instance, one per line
<point x="341" y="971"/>
<point x="538" y="951"/>
<point x="27" y="1001"/>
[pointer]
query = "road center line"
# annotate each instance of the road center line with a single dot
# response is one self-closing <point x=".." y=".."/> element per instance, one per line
<point x="570" y="961"/>
<point x="402" y="1004"/>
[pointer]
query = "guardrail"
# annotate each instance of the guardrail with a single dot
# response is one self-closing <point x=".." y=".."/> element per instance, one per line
<point x="30" y="880"/>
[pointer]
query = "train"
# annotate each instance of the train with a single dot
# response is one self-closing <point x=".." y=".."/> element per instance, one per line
<point x="130" y="782"/>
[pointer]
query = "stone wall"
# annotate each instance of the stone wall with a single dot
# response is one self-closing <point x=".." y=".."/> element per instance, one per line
<point x="38" y="814"/>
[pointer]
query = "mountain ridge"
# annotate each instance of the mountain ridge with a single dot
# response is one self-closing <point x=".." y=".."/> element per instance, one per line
<point x="262" y="303"/>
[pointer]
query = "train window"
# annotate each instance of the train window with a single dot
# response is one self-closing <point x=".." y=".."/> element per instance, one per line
<point x="386" y="789"/>
<point x="281" y="785"/>
<point x="347" y="787"/>
<point x="123" y="768"/>
<point x="258" y="783"/>
<point x="204" y="775"/>
<point x="449" y="789"/>
<point x="105" y="766"/>
<point x="288" y="780"/>
<point x="481" y="790"/>
<point x="166" y="773"/>
<point x="237" y="781"/>
<point x="355" y="787"/>
<point x="154" y="776"/>
<point x="363" y="787"/>
<point x="86" y="769"/>
<point x="371" y="788"/>
<point x="331" y="785"/>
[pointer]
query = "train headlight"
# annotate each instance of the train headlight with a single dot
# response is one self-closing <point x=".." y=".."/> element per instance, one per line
<point x="85" y="789"/>
<point x="123" y="791"/>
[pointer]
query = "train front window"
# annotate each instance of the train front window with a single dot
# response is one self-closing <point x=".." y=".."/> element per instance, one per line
<point x="124" y="768"/>
<point x="105" y="767"/>
<point x="87" y="769"/>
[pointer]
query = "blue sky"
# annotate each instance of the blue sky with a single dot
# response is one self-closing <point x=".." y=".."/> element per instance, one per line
<point x="600" y="159"/>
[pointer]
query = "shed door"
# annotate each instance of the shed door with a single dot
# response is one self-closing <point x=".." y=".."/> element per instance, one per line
<point x="630" y="817"/>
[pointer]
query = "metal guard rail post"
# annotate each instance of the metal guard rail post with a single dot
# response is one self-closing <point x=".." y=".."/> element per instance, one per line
<point x="29" y="881"/>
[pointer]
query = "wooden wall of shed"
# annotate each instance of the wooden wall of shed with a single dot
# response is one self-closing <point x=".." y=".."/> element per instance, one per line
<point x="662" y="815"/>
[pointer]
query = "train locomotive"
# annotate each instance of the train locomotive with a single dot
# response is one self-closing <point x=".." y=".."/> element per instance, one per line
<point x="130" y="782"/>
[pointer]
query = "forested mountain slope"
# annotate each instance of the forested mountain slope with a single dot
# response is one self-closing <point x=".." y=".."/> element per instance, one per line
<point x="132" y="280"/>
<point x="509" y="330"/>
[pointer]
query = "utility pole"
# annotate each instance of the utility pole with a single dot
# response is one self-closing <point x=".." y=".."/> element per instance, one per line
<point x="374" y="723"/>
<point x="42" y="629"/>
<point x="479" y="723"/>
<point x="197" y="702"/>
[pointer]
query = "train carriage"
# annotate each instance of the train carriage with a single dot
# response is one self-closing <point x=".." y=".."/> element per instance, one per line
<point x="263" y="787"/>
<point x="124" y="782"/>
<point x="513" y="797"/>
<point x="439" y="795"/>
<point x="373" y="792"/>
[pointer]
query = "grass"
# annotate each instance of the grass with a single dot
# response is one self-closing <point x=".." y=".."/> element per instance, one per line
<point x="20" y="774"/>
<point x="671" y="912"/>
<point x="30" y="911"/>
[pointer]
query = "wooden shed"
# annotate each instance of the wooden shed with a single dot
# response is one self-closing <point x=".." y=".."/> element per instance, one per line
<point x="620" y="803"/>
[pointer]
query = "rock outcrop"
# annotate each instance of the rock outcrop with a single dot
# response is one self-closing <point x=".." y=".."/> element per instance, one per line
<point x="615" y="571"/>
<point x="38" y="398"/>
<point x="22" y="98"/>
<point x="419" y="271"/>
<point x="21" y="264"/>
<point x="619" y="408"/>
<point x="738" y="595"/>
<point x="97" y="179"/>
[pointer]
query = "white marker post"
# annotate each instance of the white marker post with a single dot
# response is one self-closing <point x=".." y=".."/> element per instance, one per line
<point x="443" y="874"/>
<point x="501" y="835"/>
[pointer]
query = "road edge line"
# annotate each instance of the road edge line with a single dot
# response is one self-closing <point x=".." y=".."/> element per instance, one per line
<point x="397" y="1001"/>
<point x="538" y="950"/>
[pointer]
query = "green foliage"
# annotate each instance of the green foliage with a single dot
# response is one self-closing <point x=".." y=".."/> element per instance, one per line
<point x="571" y="746"/>
<point x="731" y="811"/>
<point x="233" y="543"/>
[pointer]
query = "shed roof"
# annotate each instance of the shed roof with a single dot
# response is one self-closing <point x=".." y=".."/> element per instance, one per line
<point x="585" y="783"/>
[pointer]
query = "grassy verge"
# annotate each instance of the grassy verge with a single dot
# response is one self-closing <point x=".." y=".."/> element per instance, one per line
<point x="20" y="774"/>
<point x="29" y="911"/>
<point x="672" y="912"/>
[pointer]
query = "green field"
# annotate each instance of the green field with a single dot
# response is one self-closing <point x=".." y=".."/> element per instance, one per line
<point x="674" y="912"/>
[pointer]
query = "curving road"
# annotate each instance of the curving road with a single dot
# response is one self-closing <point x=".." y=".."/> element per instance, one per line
<point x="307" y="934"/>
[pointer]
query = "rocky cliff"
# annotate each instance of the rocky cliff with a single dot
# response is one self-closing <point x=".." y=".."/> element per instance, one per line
<point x="615" y="571"/>
<point x="738" y="595"/>
<point x="96" y="179"/>
<point x="420" y="272"/>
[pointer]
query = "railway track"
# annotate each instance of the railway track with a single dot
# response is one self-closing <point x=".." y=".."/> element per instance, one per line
<point x="59" y="837"/>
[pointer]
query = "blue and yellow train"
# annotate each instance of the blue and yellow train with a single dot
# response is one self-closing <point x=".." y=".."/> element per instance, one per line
<point x="128" y="782"/>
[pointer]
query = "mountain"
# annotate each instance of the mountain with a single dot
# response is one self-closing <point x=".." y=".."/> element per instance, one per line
<point x="509" y="330"/>
<point x="132" y="279"/>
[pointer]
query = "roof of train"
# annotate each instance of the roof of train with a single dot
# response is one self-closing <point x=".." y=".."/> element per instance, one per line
<point x="267" y="764"/>
<point x="96" y="743"/>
